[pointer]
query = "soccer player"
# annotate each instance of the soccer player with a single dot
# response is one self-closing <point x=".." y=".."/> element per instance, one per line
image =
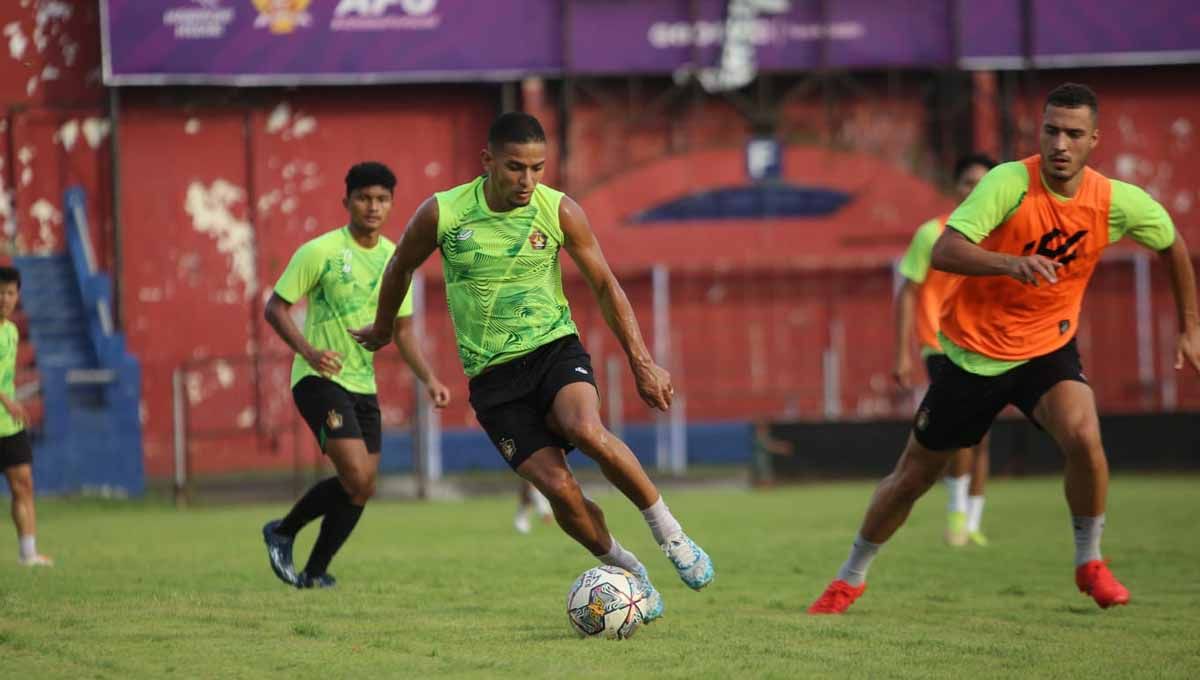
<point x="333" y="379"/>
<point x="532" y="384"/>
<point x="1027" y="240"/>
<point x="921" y="296"/>
<point x="16" y="456"/>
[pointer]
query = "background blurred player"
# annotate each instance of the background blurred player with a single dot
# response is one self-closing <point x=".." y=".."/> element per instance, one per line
<point x="920" y="297"/>
<point x="16" y="455"/>
<point x="333" y="379"/>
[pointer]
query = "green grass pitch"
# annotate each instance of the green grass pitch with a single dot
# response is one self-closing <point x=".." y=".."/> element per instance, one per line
<point x="450" y="590"/>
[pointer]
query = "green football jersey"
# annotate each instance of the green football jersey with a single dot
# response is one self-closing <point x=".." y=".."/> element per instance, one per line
<point x="341" y="280"/>
<point x="503" y="279"/>
<point x="8" y="368"/>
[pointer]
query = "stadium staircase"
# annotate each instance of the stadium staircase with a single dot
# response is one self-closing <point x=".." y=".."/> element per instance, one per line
<point x="90" y="439"/>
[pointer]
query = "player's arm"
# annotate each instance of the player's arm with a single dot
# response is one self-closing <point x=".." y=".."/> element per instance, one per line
<point x="990" y="204"/>
<point x="416" y="245"/>
<point x="14" y="407"/>
<point x="1183" y="284"/>
<point x="1135" y="213"/>
<point x="405" y="339"/>
<point x="913" y="267"/>
<point x="956" y="254"/>
<point x="278" y="314"/>
<point x="906" y="304"/>
<point x="653" y="381"/>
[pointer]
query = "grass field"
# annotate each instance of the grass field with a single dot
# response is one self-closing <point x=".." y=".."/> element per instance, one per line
<point x="450" y="590"/>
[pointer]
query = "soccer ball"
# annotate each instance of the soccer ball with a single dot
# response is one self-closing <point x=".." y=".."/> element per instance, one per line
<point x="605" y="602"/>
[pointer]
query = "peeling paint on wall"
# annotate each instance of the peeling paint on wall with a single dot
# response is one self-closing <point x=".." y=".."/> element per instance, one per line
<point x="17" y="42"/>
<point x="95" y="130"/>
<point x="150" y="294"/>
<point x="68" y="134"/>
<point x="25" y="157"/>
<point x="212" y="211"/>
<point x="47" y="216"/>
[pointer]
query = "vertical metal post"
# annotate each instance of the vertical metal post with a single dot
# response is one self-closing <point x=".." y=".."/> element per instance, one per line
<point x="678" y="434"/>
<point x="616" y="403"/>
<point x="426" y="436"/>
<point x="508" y="96"/>
<point x="831" y="364"/>
<point x="179" y="416"/>
<point x="1166" y="349"/>
<point x="661" y="287"/>
<point x="1143" y="314"/>
<point x="114" y="131"/>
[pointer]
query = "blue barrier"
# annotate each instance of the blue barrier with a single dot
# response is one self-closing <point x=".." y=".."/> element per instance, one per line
<point x="90" y="439"/>
<point x="463" y="450"/>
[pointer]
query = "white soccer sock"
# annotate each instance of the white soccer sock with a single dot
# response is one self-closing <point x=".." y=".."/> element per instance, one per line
<point x="957" y="488"/>
<point x="618" y="556"/>
<point x="28" y="548"/>
<point x="974" y="512"/>
<point x="854" y="571"/>
<point x="661" y="522"/>
<point x="1087" y="538"/>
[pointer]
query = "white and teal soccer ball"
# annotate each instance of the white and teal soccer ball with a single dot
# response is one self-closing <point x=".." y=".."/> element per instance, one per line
<point x="605" y="602"/>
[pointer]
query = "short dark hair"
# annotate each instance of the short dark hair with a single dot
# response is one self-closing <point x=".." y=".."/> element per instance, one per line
<point x="370" y="174"/>
<point x="10" y="275"/>
<point x="515" y="127"/>
<point x="1073" y="96"/>
<point x="971" y="160"/>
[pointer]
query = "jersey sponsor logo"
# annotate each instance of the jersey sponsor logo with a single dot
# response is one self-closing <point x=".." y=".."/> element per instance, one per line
<point x="1064" y="253"/>
<point x="508" y="448"/>
<point x="334" y="420"/>
<point x="282" y="16"/>
<point x="537" y="240"/>
<point x="581" y="369"/>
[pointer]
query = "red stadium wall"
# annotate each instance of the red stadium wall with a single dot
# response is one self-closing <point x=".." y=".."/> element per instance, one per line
<point x="218" y="188"/>
<point x="218" y="197"/>
<point x="53" y="129"/>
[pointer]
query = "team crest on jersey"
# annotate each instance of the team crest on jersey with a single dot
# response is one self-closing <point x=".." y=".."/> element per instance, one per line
<point x="537" y="240"/>
<point x="1063" y="327"/>
<point x="334" y="420"/>
<point x="508" y="448"/>
<point x="922" y="419"/>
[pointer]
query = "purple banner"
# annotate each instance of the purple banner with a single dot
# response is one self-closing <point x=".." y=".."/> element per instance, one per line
<point x="261" y="42"/>
<point x="630" y="36"/>
<point x="1073" y="33"/>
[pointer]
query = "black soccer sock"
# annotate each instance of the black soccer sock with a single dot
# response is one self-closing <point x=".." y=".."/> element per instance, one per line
<point x="335" y="529"/>
<point x="319" y="499"/>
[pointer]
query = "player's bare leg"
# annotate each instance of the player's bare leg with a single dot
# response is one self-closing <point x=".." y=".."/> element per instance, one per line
<point x="24" y="516"/>
<point x="1068" y="413"/>
<point x="575" y="415"/>
<point x="581" y="518"/>
<point x="917" y="470"/>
